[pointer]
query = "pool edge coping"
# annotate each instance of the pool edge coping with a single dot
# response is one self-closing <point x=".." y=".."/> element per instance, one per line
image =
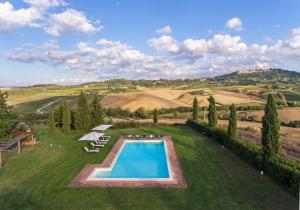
<point x="177" y="180"/>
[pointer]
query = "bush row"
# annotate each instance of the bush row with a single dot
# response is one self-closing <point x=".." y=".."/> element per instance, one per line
<point x="283" y="171"/>
<point x="133" y="124"/>
<point x="293" y="124"/>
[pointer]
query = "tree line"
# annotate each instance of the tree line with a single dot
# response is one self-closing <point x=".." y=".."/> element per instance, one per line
<point x="83" y="118"/>
<point x="270" y="137"/>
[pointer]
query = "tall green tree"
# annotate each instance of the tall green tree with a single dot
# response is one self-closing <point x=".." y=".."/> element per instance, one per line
<point x="66" y="121"/>
<point x="231" y="130"/>
<point x="97" y="112"/>
<point x="83" y="114"/>
<point x="58" y="115"/>
<point x="5" y="116"/>
<point x="212" y="112"/>
<point x="195" y="109"/>
<point x="51" y="123"/>
<point x="270" y="137"/>
<point x="155" y="116"/>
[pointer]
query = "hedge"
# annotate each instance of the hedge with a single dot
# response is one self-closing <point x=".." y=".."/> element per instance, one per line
<point x="283" y="171"/>
<point x="136" y="124"/>
<point x="133" y="124"/>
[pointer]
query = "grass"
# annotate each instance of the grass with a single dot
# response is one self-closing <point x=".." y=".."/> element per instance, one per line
<point x="216" y="178"/>
<point x="291" y="95"/>
<point x="34" y="105"/>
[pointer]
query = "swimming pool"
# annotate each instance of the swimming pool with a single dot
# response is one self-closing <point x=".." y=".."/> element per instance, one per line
<point x="137" y="160"/>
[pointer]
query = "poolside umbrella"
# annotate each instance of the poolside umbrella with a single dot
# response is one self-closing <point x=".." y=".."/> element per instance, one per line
<point x="101" y="128"/>
<point x="92" y="136"/>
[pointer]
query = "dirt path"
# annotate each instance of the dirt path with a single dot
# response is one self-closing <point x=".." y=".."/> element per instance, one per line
<point x="39" y="110"/>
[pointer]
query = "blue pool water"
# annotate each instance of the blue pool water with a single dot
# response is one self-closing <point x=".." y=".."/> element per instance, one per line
<point x="138" y="160"/>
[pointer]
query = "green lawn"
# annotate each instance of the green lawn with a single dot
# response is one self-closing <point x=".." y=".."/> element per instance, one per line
<point x="216" y="178"/>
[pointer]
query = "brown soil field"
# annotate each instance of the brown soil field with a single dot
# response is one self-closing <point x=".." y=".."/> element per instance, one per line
<point x="285" y="131"/>
<point x="171" y="98"/>
<point x="159" y="98"/>
<point x="286" y="115"/>
<point x="227" y="98"/>
<point x="290" y="147"/>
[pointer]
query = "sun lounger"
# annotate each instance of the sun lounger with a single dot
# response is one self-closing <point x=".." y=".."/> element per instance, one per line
<point x="96" y="145"/>
<point x="101" y="141"/>
<point x="107" y="137"/>
<point x="91" y="150"/>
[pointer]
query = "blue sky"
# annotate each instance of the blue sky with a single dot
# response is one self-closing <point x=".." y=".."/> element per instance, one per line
<point x="58" y="41"/>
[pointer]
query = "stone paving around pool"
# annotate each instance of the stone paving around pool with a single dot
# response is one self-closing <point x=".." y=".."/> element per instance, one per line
<point x="176" y="181"/>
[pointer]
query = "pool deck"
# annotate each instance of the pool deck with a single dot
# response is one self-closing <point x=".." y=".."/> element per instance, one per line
<point x="177" y="180"/>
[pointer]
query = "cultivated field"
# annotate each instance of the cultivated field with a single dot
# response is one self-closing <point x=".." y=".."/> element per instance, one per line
<point x="286" y="115"/>
<point x="171" y="98"/>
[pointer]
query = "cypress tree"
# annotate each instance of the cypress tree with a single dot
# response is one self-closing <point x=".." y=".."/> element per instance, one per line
<point x="66" y="121"/>
<point x="155" y="116"/>
<point x="270" y="137"/>
<point x="195" y="109"/>
<point x="58" y="115"/>
<point x="83" y="114"/>
<point x="232" y="122"/>
<point x="212" y="112"/>
<point x="97" y="112"/>
<point x="51" y="123"/>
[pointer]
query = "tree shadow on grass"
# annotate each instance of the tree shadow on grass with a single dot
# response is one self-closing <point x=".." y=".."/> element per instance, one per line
<point x="14" y="199"/>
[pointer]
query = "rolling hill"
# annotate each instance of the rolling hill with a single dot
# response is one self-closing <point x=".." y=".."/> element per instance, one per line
<point x="248" y="77"/>
<point x="241" y="87"/>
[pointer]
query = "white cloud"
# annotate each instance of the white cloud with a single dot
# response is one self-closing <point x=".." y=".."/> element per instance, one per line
<point x="226" y="44"/>
<point x="70" y="21"/>
<point x="45" y="4"/>
<point x="164" y="43"/>
<point x="195" y="48"/>
<point x="11" y="19"/>
<point x="222" y="53"/>
<point x="38" y="16"/>
<point x="164" y="30"/>
<point x="234" y="24"/>
<point x="105" y="42"/>
<point x="295" y="38"/>
<point x="198" y="48"/>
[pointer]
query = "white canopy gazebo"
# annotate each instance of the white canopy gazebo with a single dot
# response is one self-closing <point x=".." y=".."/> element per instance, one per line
<point x="92" y="136"/>
<point x="101" y="128"/>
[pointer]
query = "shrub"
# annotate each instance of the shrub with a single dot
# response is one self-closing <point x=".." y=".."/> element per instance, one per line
<point x="133" y="124"/>
<point x="293" y="124"/>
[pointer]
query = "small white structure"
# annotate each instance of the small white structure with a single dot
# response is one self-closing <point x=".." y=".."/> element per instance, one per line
<point x="101" y="128"/>
<point x="92" y="136"/>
